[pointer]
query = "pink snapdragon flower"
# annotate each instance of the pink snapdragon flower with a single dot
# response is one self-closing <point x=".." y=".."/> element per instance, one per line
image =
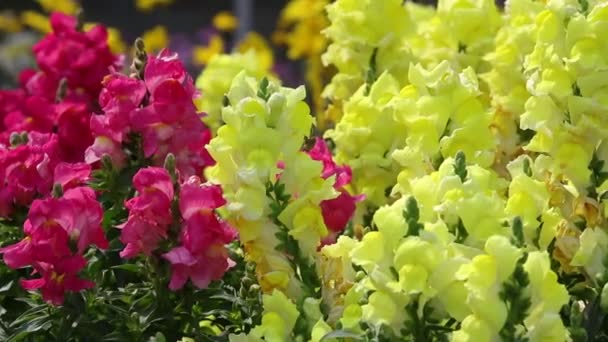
<point x="58" y="232"/>
<point x="82" y="58"/>
<point x="169" y="123"/>
<point x="10" y="101"/>
<point x="149" y="212"/>
<point x="27" y="170"/>
<point x="70" y="175"/>
<point x="202" y="256"/>
<point x="120" y="96"/>
<point x="336" y="212"/>
<point x="85" y="218"/>
<point x="160" y="109"/>
<point x="58" y="278"/>
<point x="73" y="132"/>
<point x="34" y="114"/>
<point x="321" y="152"/>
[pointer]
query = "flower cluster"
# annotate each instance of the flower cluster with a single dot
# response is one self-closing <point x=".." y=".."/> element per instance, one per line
<point x="201" y="255"/>
<point x="59" y="230"/>
<point x="461" y="195"/>
<point x="216" y="78"/>
<point x="339" y="211"/>
<point x="45" y="131"/>
<point x="159" y="109"/>
<point x="47" y="120"/>
<point x="264" y="125"/>
<point x="367" y="153"/>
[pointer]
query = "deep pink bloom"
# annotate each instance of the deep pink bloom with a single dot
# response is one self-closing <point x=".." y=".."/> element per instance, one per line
<point x="10" y="101"/>
<point x="47" y="225"/>
<point x="82" y="58"/>
<point x="70" y="175"/>
<point x="167" y="66"/>
<point x="103" y="145"/>
<point x="121" y="94"/>
<point x="204" y="230"/>
<point x="25" y="75"/>
<point x="41" y="84"/>
<point x="27" y="170"/>
<point x="152" y="180"/>
<point x="36" y="114"/>
<point x="76" y="216"/>
<point x="59" y="278"/>
<point x="155" y="194"/>
<point x="149" y="212"/>
<point x="200" y="268"/>
<point x="85" y="218"/>
<point x="73" y="130"/>
<point x="338" y="211"/>
<point x="202" y="257"/>
<point x="170" y="124"/>
<point x="19" y="255"/>
<point x="140" y="235"/>
<point x="321" y="152"/>
<point x="194" y="198"/>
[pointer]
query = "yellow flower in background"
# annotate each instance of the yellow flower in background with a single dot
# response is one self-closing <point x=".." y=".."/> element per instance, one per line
<point x="36" y="21"/>
<point x="201" y="55"/>
<point x="225" y="21"/>
<point x="64" y="6"/>
<point x="148" y="5"/>
<point x="300" y="26"/>
<point x="156" y="38"/>
<point x="115" y="41"/>
<point x="256" y="42"/>
<point x="9" y="22"/>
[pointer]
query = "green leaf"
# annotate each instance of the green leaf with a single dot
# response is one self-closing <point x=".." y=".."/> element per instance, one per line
<point x="159" y="337"/>
<point x="7" y="286"/>
<point x="518" y="232"/>
<point x="460" y="166"/>
<point x="263" y="89"/>
<point x="37" y="324"/>
<point x="128" y="267"/>
<point x="342" y="334"/>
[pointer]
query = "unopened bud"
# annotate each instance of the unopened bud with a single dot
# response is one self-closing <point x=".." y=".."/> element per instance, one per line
<point x="62" y="90"/>
<point x="57" y="190"/>
<point x="225" y="101"/>
<point x="170" y="164"/>
<point x="80" y="20"/>
<point x="139" y="44"/>
<point x="106" y="162"/>
<point x="140" y="58"/>
<point x="15" y="139"/>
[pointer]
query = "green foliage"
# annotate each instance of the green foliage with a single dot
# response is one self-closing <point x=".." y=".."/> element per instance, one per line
<point x="411" y="214"/>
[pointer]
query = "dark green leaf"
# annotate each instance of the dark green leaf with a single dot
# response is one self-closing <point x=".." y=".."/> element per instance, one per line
<point x="128" y="267"/>
<point x="342" y="334"/>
